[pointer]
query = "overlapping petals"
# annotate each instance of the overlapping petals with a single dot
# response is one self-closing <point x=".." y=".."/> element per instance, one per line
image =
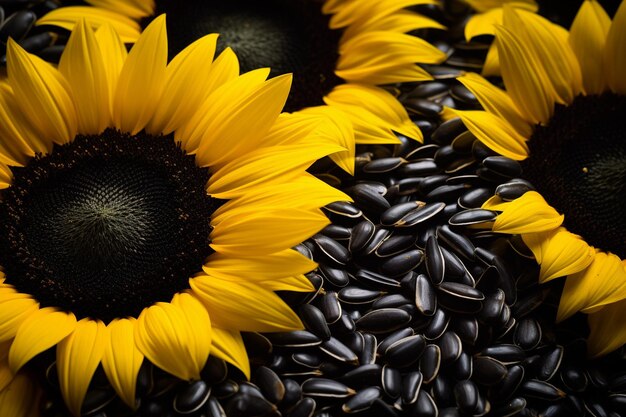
<point x="258" y="160"/>
<point x="375" y="49"/>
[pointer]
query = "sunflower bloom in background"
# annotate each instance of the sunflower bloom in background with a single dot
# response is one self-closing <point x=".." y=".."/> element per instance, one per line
<point x="148" y="209"/>
<point x="562" y="116"/>
<point x="340" y="52"/>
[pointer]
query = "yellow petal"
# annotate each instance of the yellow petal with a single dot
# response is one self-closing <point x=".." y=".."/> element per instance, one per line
<point x="15" y="308"/>
<point x="188" y="76"/>
<point x="142" y="79"/>
<point x="335" y="127"/>
<point x="67" y="16"/>
<point x="266" y="166"/>
<point x="78" y="356"/>
<point x="304" y="192"/>
<point x="496" y="101"/>
<point x="121" y="359"/>
<point x="6" y="376"/>
<point x="607" y="330"/>
<point x="298" y="283"/>
<point x="241" y="306"/>
<point x="485" y="5"/>
<point x="114" y="55"/>
<point x="228" y="345"/>
<point x="550" y="51"/>
<point x="16" y="147"/>
<point x="602" y="283"/>
<point x="83" y="65"/>
<point x="135" y="9"/>
<point x="379" y="103"/>
<point x="258" y="268"/>
<point x="42" y="330"/>
<point x="175" y="337"/>
<point x="587" y="37"/>
<point x="491" y="67"/>
<point x="349" y="12"/>
<point x="483" y="23"/>
<point x="614" y="56"/>
<point x="495" y="132"/>
<point x="21" y="398"/>
<point x="219" y="105"/>
<point x="234" y="131"/>
<point x="559" y="252"/>
<point x="249" y="234"/>
<point x="42" y="93"/>
<point x="528" y="214"/>
<point x="524" y="78"/>
<point x="375" y="56"/>
<point x="402" y="21"/>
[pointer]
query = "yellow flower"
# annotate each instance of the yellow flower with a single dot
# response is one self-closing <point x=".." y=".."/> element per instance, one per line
<point x="562" y="117"/>
<point x="340" y="51"/>
<point x="148" y="208"/>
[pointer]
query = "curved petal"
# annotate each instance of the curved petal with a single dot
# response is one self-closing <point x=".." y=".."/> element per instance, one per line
<point x="82" y="64"/>
<point x="266" y="166"/>
<point x="15" y="308"/>
<point x="175" y="336"/>
<point x="528" y="214"/>
<point x="304" y="192"/>
<point x="335" y="127"/>
<point x="21" y="398"/>
<point x="218" y="105"/>
<point x="495" y="133"/>
<point x="379" y="103"/>
<point x="496" y="101"/>
<point x="402" y="21"/>
<point x="553" y="53"/>
<point x="605" y="336"/>
<point x="349" y="12"/>
<point x="258" y="268"/>
<point x="614" y="56"/>
<point x="559" y="252"/>
<point x="42" y="330"/>
<point x="228" y="345"/>
<point x="237" y="130"/>
<point x="524" y="78"/>
<point x="121" y="359"/>
<point x="241" y="306"/>
<point x="602" y="283"/>
<point x="67" y="16"/>
<point x="485" y="5"/>
<point x="78" y="356"/>
<point x="17" y="146"/>
<point x="113" y="55"/>
<point x="248" y="234"/>
<point x="179" y="103"/>
<point x="297" y="283"/>
<point x="135" y="9"/>
<point x="483" y="23"/>
<point x="380" y="57"/>
<point x="42" y="93"/>
<point x="587" y="38"/>
<point x="142" y="79"/>
<point x="6" y="375"/>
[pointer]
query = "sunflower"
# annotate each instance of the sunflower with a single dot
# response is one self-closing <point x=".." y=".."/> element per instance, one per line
<point x="340" y="52"/>
<point x="148" y="209"/>
<point x="562" y="117"/>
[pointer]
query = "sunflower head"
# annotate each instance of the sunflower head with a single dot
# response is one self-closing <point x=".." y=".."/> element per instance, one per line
<point x="137" y="201"/>
<point x="561" y="117"/>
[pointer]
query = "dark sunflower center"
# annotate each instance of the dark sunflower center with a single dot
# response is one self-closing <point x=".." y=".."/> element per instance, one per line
<point x="578" y="163"/>
<point x="289" y="36"/>
<point x="106" y="225"/>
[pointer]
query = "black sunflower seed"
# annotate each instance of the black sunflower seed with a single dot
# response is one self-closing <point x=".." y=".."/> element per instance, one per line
<point x="411" y="384"/>
<point x="362" y="400"/>
<point x="324" y="387"/>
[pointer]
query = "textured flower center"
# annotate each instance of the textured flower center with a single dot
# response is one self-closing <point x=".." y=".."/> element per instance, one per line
<point x="578" y="163"/>
<point x="289" y="36"/>
<point x="106" y="225"/>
